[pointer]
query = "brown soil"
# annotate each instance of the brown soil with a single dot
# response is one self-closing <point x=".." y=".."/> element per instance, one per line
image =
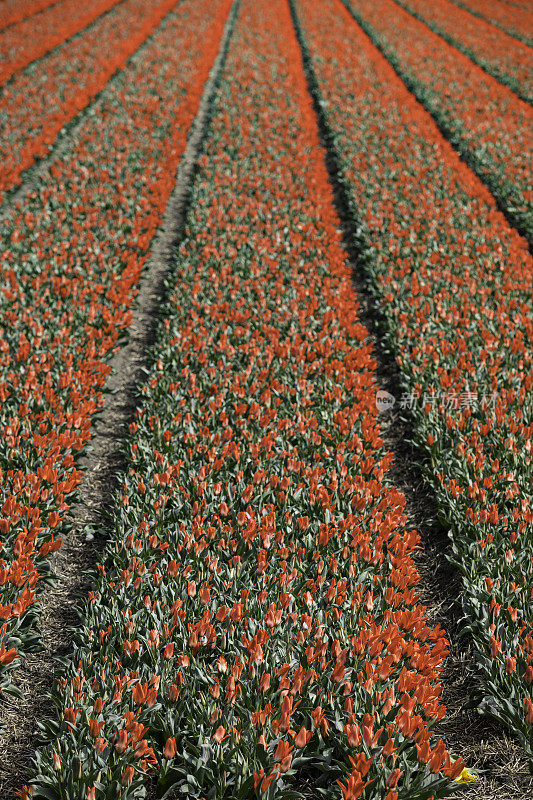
<point x="102" y="465"/>
<point x="497" y="758"/>
<point x="488" y="750"/>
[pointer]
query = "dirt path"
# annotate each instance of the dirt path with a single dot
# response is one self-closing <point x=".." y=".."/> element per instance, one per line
<point x="483" y="745"/>
<point x="102" y="465"/>
<point x="497" y="759"/>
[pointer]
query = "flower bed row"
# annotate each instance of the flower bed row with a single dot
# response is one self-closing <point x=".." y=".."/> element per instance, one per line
<point x="13" y="11"/>
<point x="254" y="625"/>
<point x="44" y="97"/>
<point x="72" y="255"/>
<point x="32" y="38"/>
<point x="485" y="121"/>
<point x="516" y="18"/>
<point x="454" y="282"/>
<point x="501" y="55"/>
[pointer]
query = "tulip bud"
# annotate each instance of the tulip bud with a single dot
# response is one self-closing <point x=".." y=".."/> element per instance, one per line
<point x="170" y="749"/>
<point x="127" y="776"/>
<point x="218" y="735"/>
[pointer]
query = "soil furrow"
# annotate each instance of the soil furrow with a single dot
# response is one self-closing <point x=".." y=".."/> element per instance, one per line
<point x="64" y="138"/>
<point x="102" y="465"/>
<point x="491" y="71"/>
<point x="446" y="130"/>
<point x="487" y="749"/>
<point x="13" y="66"/>
<point x="30" y="16"/>
<point x="516" y="34"/>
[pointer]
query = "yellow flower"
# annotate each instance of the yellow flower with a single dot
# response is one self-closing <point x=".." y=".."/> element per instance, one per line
<point x="466" y="776"/>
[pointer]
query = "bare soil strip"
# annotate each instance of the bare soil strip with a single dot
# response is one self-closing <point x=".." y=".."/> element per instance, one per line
<point x="102" y="466"/>
<point x="489" y="752"/>
<point x="30" y="16"/>
<point x="510" y="32"/>
<point x="446" y="129"/>
<point x="63" y="140"/>
<point x="492" y="73"/>
<point x="6" y="81"/>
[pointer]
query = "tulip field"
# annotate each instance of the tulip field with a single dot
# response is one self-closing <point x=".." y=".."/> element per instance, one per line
<point x="336" y="380"/>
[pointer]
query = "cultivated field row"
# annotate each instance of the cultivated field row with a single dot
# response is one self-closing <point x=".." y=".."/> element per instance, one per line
<point x="254" y="627"/>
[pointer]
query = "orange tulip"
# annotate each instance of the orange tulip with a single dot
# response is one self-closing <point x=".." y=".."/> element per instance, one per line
<point x="170" y="748"/>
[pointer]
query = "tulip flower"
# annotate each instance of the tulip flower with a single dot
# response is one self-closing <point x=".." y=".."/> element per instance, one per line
<point x="170" y="749"/>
